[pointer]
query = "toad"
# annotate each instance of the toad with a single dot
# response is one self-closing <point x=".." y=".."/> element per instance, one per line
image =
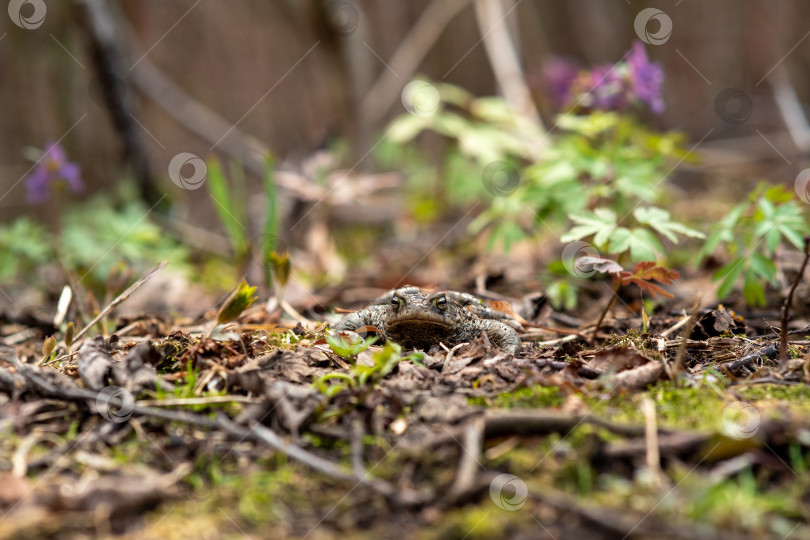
<point x="415" y="319"/>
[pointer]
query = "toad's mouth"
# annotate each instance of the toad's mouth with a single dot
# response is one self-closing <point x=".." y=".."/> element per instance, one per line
<point x="421" y="323"/>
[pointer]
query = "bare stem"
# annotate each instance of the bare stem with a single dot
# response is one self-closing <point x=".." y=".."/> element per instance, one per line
<point x="613" y="298"/>
<point x="789" y="302"/>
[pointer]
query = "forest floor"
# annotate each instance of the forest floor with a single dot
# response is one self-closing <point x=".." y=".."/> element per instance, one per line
<point x="171" y="428"/>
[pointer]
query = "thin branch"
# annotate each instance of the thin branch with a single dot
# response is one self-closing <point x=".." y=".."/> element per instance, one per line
<point x="690" y="326"/>
<point x="263" y="434"/>
<point x="789" y="302"/>
<point x="406" y="59"/>
<point x="119" y="299"/>
<point x="503" y="57"/>
<point x="612" y="301"/>
<point x="791" y="110"/>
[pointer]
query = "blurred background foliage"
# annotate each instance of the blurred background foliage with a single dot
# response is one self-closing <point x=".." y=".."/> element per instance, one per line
<point x="370" y="184"/>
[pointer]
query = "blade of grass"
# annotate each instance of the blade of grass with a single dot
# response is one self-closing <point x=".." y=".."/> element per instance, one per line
<point x="218" y="189"/>
<point x="271" y="225"/>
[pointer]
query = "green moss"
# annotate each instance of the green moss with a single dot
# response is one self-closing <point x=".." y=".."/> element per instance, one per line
<point x="531" y="397"/>
<point x="482" y="521"/>
<point x="779" y="392"/>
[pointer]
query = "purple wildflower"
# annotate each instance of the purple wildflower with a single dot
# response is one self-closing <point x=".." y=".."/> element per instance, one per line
<point x="52" y="169"/>
<point x="646" y="77"/>
<point x="560" y="75"/>
<point x="608" y="87"/>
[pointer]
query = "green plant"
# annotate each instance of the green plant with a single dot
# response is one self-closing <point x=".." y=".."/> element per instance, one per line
<point x="24" y="246"/>
<point x="601" y="159"/>
<point x="640" y="242"/>
<point x="231" y="215"/>
<point x="361" y="379"/>
<point x="347" y="347"/>
<point x="93" y="239"/>
<point x="750" y="234"/>
<point x="232" y="212"/>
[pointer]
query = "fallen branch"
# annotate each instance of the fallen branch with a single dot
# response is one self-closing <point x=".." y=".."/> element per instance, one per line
<point x="67" y="390"/>
<point x="261" y="433"/>
<point x="499" y="422"/>
<point x="735" y="366"/>
<point x="469" y="461"/>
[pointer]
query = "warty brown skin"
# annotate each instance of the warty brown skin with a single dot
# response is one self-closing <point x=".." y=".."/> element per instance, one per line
<point x="415" y="319"/>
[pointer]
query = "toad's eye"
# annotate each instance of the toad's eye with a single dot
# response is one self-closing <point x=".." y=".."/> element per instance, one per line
<point x="395" y="300"/>
<point x="441" y="301"/>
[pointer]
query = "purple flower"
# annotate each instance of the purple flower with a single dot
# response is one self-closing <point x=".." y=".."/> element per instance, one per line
<point x="560" y="75"/>
<point x="646" y="77"/>
<point x="52" y="170"/>
<point x="608" y="87"/>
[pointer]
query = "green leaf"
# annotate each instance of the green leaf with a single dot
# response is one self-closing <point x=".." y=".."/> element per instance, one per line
<point x="219" y="191"/>
<point x="407" y="126"/>
<point x="346" y="347"/>
<point x="793" y="236"/>
<point x="505" y="233"/>
<point x="729" y="274"/>
<point x="601" y="223"/>
<point x="280" y="266"/>
<point x="589" y="125"/>
<point x="641" y="243"/>
<point x="239" y="300"/>
<point x="271" y="224"/>
<point x="753" y="291"/>
<point x="763" y="267"/>
<point x="660" y="220"/>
